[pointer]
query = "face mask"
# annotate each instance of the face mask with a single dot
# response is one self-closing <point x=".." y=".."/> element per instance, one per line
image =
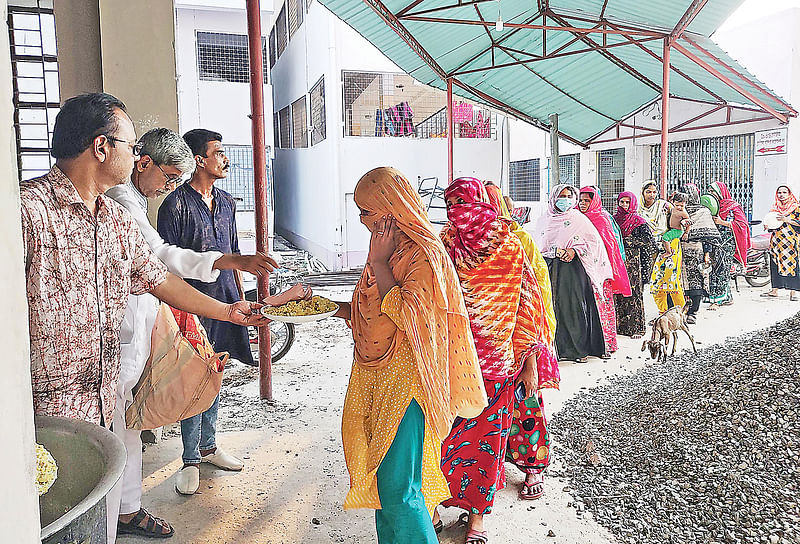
<point x="564" y="204"/>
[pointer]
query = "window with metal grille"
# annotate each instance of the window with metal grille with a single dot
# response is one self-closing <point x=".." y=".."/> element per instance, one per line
<point x="299" y="123"/>
<point x="524" y="180"/>
<point x="569" y="169"/>
<point x="396" y="105"/>
<point x="276" y="130"/>
<point x="611" y="176"/>
<point x="224" y="57"/>
<point x="317" y="99"/>
<point x="239" y="182"/>
<point x="725" y="158"/>
<point x="295" y="12"/>
<point x="285" y="129"/>
<point x="273" y="51"/>
<point x="34" y="65"/>
<point x="281" y="35"/>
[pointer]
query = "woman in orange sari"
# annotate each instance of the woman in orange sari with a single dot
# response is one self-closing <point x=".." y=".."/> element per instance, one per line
<point x="513" y="339"/>
<point x="415" y="365"/>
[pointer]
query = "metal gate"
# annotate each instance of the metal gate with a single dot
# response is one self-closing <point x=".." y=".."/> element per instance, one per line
<point x="611" y="176"/>
<point x="725" y="158"/>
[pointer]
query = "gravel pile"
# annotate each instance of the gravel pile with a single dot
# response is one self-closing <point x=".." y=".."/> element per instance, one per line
<point x="704" y="448"/>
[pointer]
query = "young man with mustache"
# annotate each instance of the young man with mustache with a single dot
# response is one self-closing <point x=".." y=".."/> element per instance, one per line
<point x="199" y="216"/>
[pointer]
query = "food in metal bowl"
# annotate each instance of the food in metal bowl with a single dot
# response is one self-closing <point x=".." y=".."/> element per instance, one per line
<point x="316" y="305"/>
<point x="46" y="470"/>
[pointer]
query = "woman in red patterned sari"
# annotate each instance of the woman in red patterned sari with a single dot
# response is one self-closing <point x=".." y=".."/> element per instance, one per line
<point x="512" y="338"/>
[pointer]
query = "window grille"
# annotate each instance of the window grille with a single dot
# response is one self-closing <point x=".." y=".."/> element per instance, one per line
<point x="317" y="100"/>
<point x="224" y="57"/>
<point x="239" y="182"/>
<point x="281" y="36"/>
<point x="296" y="12"/>
<point x="524" y="180"/>
<point x="725" y="158"/>
<point x="273" y="53"/>
<point x="569" y="169"/>
<point x="276" y="130"/>
<point x="396" y="105"/>
<point x="299" y="123"/>
<point x="285" y="141"/>
<point x="36" y="99"/>
<point x="611" y="176"/>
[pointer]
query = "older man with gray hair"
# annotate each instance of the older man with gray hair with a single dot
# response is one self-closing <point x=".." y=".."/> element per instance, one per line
<point x="164" y="160"/>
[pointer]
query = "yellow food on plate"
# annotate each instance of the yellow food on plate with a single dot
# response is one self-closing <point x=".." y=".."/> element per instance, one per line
<point x="46" y="470"/>
<point x="317" y="305"/>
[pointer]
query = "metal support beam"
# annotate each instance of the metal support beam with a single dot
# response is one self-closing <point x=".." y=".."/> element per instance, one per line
<point x="692" y="11"/>
<point x="730" y="83"/>
<point x="450" y="131"/>
<point x="665" y="118"/>
<point x="260" y="182"/>
<point x="565" y="28"/>
<point x="763" y="89"/>
<point x="555" y="173"/>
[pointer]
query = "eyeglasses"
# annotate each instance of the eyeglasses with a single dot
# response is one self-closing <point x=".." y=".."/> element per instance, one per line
<point x="136" y="148"/>
<point x="170" y="180"/>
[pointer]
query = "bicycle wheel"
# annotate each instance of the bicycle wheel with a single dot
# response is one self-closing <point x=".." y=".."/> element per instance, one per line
<point x="281" y="338"/>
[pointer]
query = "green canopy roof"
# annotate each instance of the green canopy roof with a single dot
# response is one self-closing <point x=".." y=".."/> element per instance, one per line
<point x="594" y="62"/>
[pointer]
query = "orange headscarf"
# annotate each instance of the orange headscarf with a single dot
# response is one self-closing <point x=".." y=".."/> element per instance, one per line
<point x="434" y="315"/>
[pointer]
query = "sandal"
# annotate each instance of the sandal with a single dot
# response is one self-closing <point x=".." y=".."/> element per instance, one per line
<point x="154" y="528"/>
<point x="534" y="489"/>
<point x="476" y="537"/>
<point x="438" y="526"/>
<point x="769" y="294"/>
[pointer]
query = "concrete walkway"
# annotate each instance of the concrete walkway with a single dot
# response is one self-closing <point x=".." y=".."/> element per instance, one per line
<point x="295" y="479"/>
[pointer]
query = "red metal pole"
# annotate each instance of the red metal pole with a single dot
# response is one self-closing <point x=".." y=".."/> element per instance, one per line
<point x="665" y="119"/>
<point x="450" y="134"/>
<point x="260" y="179"/>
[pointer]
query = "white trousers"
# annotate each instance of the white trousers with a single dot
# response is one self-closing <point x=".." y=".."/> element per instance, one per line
<point x="126" y="496"/>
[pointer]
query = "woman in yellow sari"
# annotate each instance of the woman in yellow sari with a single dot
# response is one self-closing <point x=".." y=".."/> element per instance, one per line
<point x="415" y="366"/>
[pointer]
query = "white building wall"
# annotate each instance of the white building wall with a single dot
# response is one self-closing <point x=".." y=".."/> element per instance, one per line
<point x="220" y="106"/>
<point x="19" y="505"/>
<point x="314" y="186"/>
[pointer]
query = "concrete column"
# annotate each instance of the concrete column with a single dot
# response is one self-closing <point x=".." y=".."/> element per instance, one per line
<point x="80" y="67"/>
<point x="19" y="508"/>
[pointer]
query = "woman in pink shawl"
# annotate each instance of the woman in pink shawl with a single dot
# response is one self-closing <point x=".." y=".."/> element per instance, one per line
<point x="733" y="227"/>
<point x="562" y="234"/>
<point x="639" y="250"/>
<point x="592" y="207"/>
<point x="732" y="215"/>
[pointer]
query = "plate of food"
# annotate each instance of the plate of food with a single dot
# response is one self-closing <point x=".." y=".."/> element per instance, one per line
<point x="301" y="311"/>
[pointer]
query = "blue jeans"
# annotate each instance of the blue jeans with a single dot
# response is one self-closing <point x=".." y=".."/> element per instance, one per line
<point x="199" y="432"/>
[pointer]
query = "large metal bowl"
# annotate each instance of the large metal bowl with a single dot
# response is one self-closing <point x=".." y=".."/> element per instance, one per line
<point x="90" y="461"/>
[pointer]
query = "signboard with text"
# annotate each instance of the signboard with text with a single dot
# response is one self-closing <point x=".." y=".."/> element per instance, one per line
<point x="771" y="142"/>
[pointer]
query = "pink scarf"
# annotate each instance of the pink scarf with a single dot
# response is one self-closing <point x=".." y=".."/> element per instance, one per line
<point x="573" y="230"/>
<point x="473" y="222"/>
<point x="628" y="219"/>
<point x="620" y="284"/>
<point x="739" y="223"/>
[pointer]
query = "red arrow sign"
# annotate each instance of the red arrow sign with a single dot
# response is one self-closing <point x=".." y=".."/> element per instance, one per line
<point x="776" y="149"/>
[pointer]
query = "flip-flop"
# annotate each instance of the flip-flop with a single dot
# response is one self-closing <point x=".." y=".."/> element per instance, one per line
<point x="769" y="295"/>
<point x="532" y="495"/>
<point x="476" y="537"/>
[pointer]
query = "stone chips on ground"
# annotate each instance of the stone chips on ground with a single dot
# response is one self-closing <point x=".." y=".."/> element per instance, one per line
<point x="704" y="448"/>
